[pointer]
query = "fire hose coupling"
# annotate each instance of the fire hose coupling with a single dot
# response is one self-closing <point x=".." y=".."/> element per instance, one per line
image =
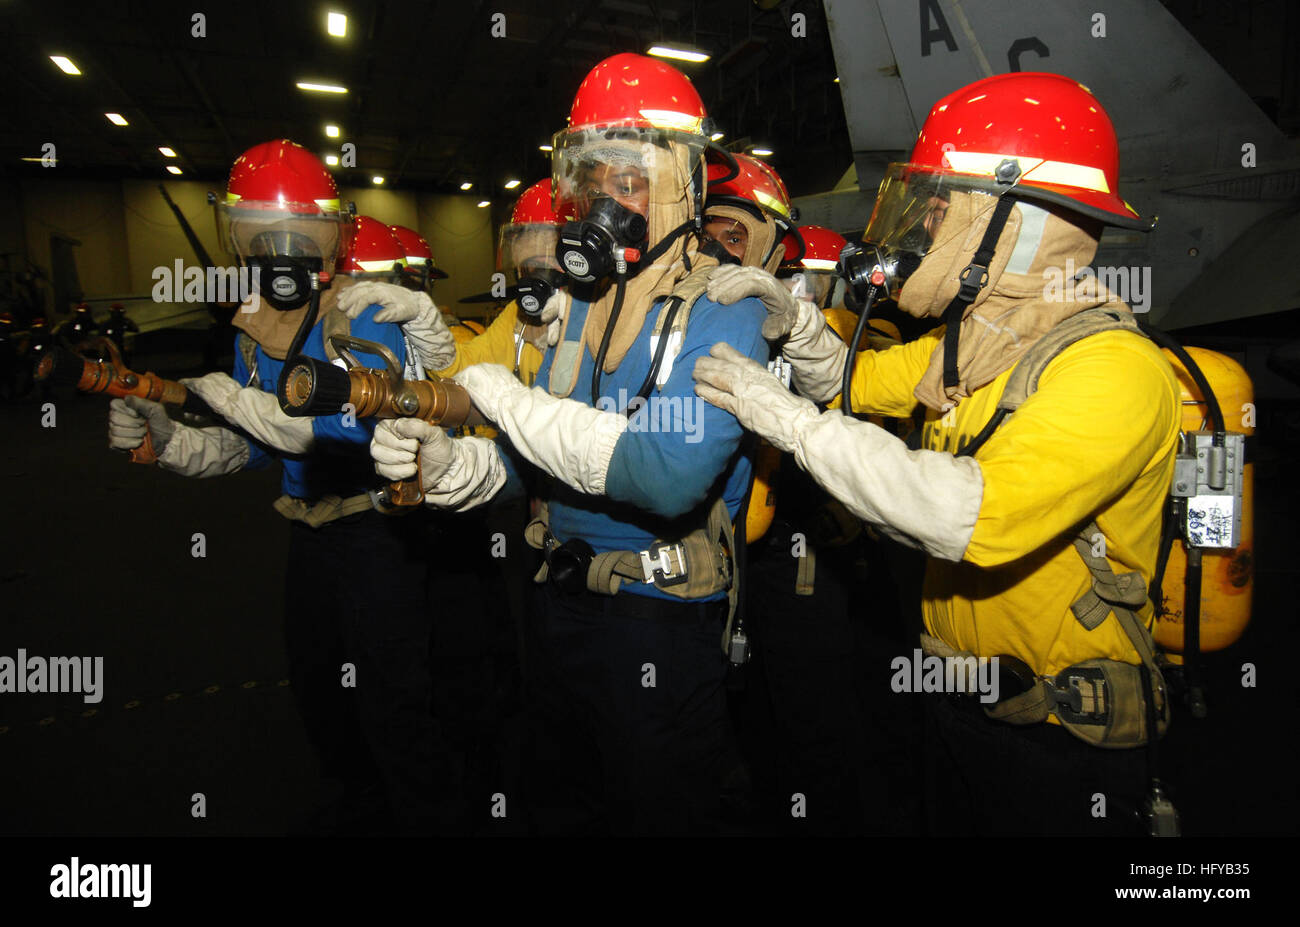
<point x="316" y="387"/>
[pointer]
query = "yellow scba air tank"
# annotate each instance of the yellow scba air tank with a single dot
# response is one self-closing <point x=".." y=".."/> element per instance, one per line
<point x="1228" y="576"/>
<point x="762" y="498"/>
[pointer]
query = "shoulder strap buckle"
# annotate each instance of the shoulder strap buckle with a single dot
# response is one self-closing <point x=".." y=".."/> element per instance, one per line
<point x="657" y="565"/>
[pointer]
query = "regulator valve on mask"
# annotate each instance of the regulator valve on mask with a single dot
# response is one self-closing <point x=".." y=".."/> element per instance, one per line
<point x="609" y="239"/>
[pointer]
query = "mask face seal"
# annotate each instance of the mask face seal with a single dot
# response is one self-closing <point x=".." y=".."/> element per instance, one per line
<point x="285" y="283"/>
<point x="591" y="249"/>
<point x="534" y="290"/>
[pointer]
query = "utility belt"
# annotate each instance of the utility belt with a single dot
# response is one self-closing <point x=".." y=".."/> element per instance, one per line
<point x="1102" y="702"/>
<point x="327" y="508"/>
<point x="690" y="568"/>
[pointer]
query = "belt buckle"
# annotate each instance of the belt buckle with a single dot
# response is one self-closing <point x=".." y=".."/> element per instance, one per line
<point x="1069" y="698"/>
<point x="656" y="560"/>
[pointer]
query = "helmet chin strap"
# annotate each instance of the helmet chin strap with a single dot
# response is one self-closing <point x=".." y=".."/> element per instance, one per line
<point x="666" y="242"/>
<point x="974" y="278"/>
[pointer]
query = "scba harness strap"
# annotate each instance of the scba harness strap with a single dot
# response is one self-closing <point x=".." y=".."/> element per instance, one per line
<point x="1099" y="701"/>
<point x="694" y="566"/>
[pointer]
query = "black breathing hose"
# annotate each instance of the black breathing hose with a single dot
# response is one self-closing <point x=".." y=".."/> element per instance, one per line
<point x="621" y="289"/>
<point x="846" y="380"/>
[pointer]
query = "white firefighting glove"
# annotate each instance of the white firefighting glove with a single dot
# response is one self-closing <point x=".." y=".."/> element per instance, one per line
<point x="255" y="411"/>
<point x="926" y="499"/>
<point x="547" y="334"/>
<point x="197" y="452"/>
<point x="455" y="474"/>
<point x="131" y="418"/>
<point x="569" y="440"/>
<point x="420" y="319"/>
<point x="816" y="354"/>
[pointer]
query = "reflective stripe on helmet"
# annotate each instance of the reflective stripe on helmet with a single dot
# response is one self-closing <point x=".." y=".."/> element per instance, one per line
<point x="1056" y="172"/>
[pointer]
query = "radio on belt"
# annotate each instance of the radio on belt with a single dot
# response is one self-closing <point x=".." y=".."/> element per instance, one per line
<point x="1209" y="478"/>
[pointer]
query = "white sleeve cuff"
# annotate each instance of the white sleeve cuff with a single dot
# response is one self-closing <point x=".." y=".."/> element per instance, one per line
<point x="570" y="441"/>
<point x="926" y="499"/>
<point x="476" y="474"/>
<point x="204" y="452"/>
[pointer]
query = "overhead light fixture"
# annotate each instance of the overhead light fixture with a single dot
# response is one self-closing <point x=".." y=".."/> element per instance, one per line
<point x="511" y="184"/>
<point x="716" y="136"/>
<point x="331" y="131"/>
<point x="166" y="152"/>
<point x="545" y="148"/>
<point x="377" y="180"/>
<point x="65" y="64"/>
<point x="38" y="160"/>
<point x="332" y="160"/>
<point x="466" y="185"/>
<point x="678" y="52"/>
<point x="116" y="118"/>
<point x="173" y="169"/>
<point x="320" y="88"/>
<point x="337" y="24"/>
<point x="482" y="203"/>
<point x="760" y="152"/>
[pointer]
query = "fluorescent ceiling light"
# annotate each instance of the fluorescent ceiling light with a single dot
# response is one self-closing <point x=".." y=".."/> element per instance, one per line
<point x="377" y="179"/>
<point x="167" y="152"/>
<point x="40" y="160"/>
<point x="331" y="131"/>
<point x="172" y="168"/>
<point x="116" y="118"/>
<point x="337" y="24"/>
<point x="466" y="185"/>
<point x="482" y="203"/>
<point x="716" y="136"/>
<point x="65" y="64"/>
<point x="545" y="148"/>
<point x="511" y="184"/>
<point x="320" y="88"/>
<point x="678" y="53"/>
<point x="332" y="160"/>
<point x="760" y="152"/>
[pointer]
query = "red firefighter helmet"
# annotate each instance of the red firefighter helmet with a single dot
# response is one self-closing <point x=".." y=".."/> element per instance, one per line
<point x="633" y="90"/>
<point x="1056" y="131"/>
<point x="753" y="195"/>
<point x="419" y="256"/>
<point x="374" y="249"/>
<point x="527" y="243"/>
<point x="641" y="116"/>
<point x="822" y="248"/>
<point x="281" y="201"/>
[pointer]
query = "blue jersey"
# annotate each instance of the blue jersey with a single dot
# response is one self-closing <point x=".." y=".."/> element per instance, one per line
<point x="678" y="452"/>
<point x="339" y="463"/>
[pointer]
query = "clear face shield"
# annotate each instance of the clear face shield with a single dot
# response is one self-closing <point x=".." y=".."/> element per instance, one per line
<point x="907" y="221"/>
<point x="629" y="189"/>
<point x="283" y="246"/>
<point x="279" y="234"/>
<point x="527" y="258"/>
<point x="528" y="248"/>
